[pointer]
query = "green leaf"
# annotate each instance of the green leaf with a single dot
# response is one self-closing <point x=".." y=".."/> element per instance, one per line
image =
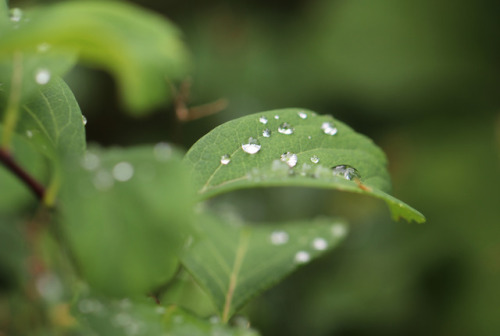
<point x="235" y="262"/>
<point x="142" y="50"/>
<point x="181" y="323"/>
<point x="308" y="141"/>
<point x="126" y="214"/>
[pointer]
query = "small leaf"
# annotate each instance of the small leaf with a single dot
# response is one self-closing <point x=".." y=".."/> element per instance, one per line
<point x="126" y="214"/>
<point x="234" y="263"/>
<point x="181" y="323"/>
<point x="142" y="50"/>
<point x="292" y="147"/>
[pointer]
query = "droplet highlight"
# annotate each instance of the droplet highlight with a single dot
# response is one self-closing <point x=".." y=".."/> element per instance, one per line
<point x="42" y="76"/>
<point x="266" y="133"/>
<point x="328" y="128"/>
<point x="123" y="171"/>
<point x="286" y="129"/>
<point x="276" y="117"/>
<point x="279" y="237"/>
<point x="263" y="120"/>
<point x="320" y="244"/>
<point x="289" y="158"/>
<point x="302" y="115"/>
<point x="252" y="146"/>
<point x="225" y="159"/>
<point x="84" y="120"/>
<point x="302" y="257"/>
<point x="314" y="159"/>
<point x="347" y="172"/>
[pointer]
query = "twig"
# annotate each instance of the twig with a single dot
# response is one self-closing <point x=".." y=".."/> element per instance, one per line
<point x="8" y="161"/>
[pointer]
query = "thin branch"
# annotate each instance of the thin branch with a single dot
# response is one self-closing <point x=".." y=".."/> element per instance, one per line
<point x="8" y="161"/>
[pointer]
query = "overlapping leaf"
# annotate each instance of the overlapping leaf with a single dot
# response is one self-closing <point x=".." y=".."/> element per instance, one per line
<point x="142" y="50"/>
<point x="294" y="148"/>
<point x="236" y="262"/>
<point x="126" y="214"/>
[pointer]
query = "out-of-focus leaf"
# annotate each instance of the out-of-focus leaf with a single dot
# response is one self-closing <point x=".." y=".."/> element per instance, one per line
<point x="12" y="252"/>
<point x="181" y="323"/>
<point x="126" y="214"/>
<point x="292" y="147"/>
<point x="235" y="262"/>
<point x="141" y="49"/>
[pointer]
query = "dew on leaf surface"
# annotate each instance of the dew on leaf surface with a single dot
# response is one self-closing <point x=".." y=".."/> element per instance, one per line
<point x="302" y="115"/>
<point x="279" y="237"/>
<point x="328" y="128"/>
<point x="345" y="171"/>
<point x="225" y="159"/>
<point x="289" y="158"/>
<point x="123" y="171"/>
<point x="276" y="117"/>
<point x="302" y="257"/>
<point x="285" y="128"/>
<point x="319" y="244"/>
<point x="42" y="76"/>
<point x="16" y="14"/>
<point x="266" y="133"/>
<point x="314" y="159"/>
<point x="252" y="146"/>
<point x="263" y="120"/>
<point x="84" y="120"/>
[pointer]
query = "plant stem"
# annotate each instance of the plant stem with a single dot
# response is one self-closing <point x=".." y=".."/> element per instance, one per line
<point x="9" y="162"/>
<point x="12" y="111"/>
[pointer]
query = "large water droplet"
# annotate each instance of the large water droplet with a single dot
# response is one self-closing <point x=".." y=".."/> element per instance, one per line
<point x="339" y="230"/>
<point x="302" y="115"/>
<point x="263" y="120"/>
<point x="16" y="14"/>
<point x="163" y="151"/>
<point x="289" y="158"/>
<point x="84" y="120"/>
<point x="225" y="159"/>
<point x="279" y="237"/>
<point x="266" y="133"/>
<point x="42" y="76"/>
<point x="314" y="159"/>
<point x="302" y="257"/>
<point x="345" y="171"/>
<point x="123" y="171"/>
<point x="252" y="146"/>
<point x="328" y="128"/>
<point x="320" y="244"/>
<point x="285" y="128"/>
<point x="90" y="161"/>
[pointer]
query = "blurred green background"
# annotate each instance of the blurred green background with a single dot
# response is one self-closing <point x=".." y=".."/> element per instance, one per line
<point x="422" y="79"/>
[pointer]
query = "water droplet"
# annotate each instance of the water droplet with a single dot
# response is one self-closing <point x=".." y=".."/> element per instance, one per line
<point x="42" y="76"/>
<point x="29" y="134"/>
<point x="289" y="158"/>
<point x="302" y="115"/>
<point x="90" y="161"/>
<point x="225" y="159"/>
<point x="16" y="14"/>
<point x="328" y="128"/>
<point x="43" y="47"/>
<point x="123" y="171"/>
<point x="276" y="117"/>
<point x="266" y="133"/>
<point x="345" y="171"/>
<point x="314" y="159"/>
<point x="163" y="151"/>
<point x="302" y="257"/>
<point x="320" y="244"/>
<point x="279" y="237"/>
<point x="263" y="120"/>
<point x="252" y="146"/>
<point x="339" y="230"/>
<point x="103" y="180"/>
<point x="285" y="128"/>
<point x="84" y="120"/>
<point x="309" y="137"/>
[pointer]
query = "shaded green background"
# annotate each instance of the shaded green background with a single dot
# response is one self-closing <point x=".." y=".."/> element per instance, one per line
<point x="419" y="77"/>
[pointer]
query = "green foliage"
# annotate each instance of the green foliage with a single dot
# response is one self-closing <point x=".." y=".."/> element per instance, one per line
<point x="126" y="224"/>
